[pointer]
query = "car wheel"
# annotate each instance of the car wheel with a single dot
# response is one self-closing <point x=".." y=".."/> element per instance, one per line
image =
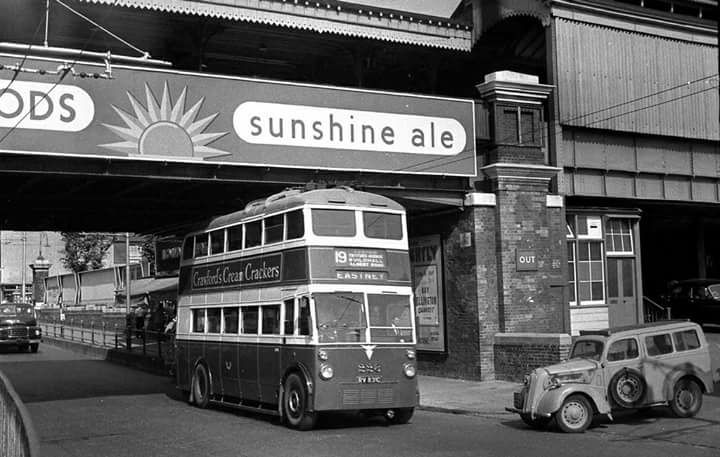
<point x="295" y="404"/>
<point x="201" y="386"/>
<point x="687" y="398"/>
<point x="536" y="423"/>
<point x="575" y="414"/>
<point x="627" y="388"/>
<point x="34" y="347"/>
<point x="402" y="416"/>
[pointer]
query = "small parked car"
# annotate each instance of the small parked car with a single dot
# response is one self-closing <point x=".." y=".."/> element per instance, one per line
<point x="695" y="299"/>
<point x="657" y="364"/>
<point x="18" y="326"/>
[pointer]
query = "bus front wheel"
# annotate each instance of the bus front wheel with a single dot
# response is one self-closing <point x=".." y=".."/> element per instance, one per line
<point x="401" y="416"/>
<point x="296" y="404"/>
<point x="201" y="386"/>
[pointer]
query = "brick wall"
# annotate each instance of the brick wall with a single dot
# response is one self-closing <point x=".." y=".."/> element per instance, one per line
<point x="516" y="354"/>
<point x="530" y="300"/>
<point x="462" y="358"/>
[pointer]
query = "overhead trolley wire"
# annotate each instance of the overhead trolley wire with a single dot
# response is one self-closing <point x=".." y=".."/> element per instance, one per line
<point x="587" y="124"/>
<point x="62" y="74"/>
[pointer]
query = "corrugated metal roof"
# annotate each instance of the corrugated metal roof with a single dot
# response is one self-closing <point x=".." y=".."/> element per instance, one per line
<point x="325" y="16"/>
<point x="620" y="80"/>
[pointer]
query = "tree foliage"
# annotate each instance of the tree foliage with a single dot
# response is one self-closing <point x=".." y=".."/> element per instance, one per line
<point x="85" y="251"/>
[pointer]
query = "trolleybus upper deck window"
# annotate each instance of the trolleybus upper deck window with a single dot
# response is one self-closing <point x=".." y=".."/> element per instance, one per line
<point x="253" y="234"/>
<point x="217" y="241"/>
<point x="201" y="245"/>
<point x="188" y="248"/>
<point x="295" y="224"/>
<point x="234" y="235"/>
<point x="274" y="228"/>
<point x="333" y="222"/>
<point x="382" y="225"/>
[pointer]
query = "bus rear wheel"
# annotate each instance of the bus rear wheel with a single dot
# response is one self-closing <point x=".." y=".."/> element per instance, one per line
<point x="201" y="386"/>
<point x="296" y="404"/>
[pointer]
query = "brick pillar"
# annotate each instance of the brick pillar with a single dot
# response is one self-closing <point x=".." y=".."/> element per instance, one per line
<point x="40" y="269"/>
<point x="529" y="229"/>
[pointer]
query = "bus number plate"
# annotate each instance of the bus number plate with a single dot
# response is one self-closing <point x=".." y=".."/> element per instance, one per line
<point x="369" y="379"/>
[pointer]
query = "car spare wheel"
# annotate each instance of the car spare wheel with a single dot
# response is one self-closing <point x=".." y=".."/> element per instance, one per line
<point x="627" y="388"/>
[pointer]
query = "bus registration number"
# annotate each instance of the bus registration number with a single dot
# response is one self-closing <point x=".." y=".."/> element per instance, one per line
<point x="369" y="379"/>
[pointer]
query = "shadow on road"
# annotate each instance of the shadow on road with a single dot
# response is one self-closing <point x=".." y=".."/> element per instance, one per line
<point x="68" y="379"/>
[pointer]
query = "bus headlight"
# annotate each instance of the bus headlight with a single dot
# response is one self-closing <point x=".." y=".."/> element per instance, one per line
<point x="409" y="370"/>
<point x="326" y="371"/>
<point x="322" y="355"/>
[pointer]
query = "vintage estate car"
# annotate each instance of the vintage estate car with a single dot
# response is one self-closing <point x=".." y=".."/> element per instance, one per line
<point x="662" y="363"/>
<point x="695" y="299"/>
<point x="18" y="326"/>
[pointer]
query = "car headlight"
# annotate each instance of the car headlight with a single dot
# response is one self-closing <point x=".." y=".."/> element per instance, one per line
<point x="326" y="371"/>
<point x="322" y="355"/>
<point x="409" y="370"/>
<point x="411" y="354"/>
<point x="37" y="332"/>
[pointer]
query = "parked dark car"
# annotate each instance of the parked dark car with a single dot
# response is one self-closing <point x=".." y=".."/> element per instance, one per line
<point x="695" y="299"/>
<point x="18" y="326"/>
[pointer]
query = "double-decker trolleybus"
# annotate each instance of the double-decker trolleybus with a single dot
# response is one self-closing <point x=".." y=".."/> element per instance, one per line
<point x="299" y="304"/>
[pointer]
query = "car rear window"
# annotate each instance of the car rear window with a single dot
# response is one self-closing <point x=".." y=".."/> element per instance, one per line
<point x="658" y="344"/>
<point x="686" y="340"/>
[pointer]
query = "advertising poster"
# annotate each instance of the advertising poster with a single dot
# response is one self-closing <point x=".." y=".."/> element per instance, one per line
<point x="426" y="263"/>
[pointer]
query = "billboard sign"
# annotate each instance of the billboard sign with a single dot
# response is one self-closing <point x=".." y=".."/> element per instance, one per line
<point x="160" y="114"/>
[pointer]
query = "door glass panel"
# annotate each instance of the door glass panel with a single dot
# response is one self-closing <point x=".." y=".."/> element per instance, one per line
<point x="612" y="279"/>
<point x="623" y="350"/>
<point x="628" y="278"/>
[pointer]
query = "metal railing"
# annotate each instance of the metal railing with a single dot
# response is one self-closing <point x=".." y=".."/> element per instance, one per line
<point x="653" y="311"/>
<point x="17" y="434"/>
<point x="146" y="342"/>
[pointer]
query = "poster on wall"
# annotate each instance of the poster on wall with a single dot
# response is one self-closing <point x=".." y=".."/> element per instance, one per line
<point x="426" y="263"/>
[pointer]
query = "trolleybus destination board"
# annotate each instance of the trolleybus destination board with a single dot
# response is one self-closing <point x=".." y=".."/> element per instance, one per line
<point x="159" y="114"/>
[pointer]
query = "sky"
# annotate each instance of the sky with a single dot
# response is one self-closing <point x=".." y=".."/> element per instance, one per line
<point x="441" y="8"/>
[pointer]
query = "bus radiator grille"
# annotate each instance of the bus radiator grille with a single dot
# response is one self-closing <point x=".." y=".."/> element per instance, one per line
<point x="368" y="396"/>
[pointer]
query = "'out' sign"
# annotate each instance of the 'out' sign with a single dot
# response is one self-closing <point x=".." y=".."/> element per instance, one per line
<point x="525" y="260"/>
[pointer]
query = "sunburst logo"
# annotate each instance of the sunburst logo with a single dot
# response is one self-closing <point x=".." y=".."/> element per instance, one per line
<point x="164" y="128"/>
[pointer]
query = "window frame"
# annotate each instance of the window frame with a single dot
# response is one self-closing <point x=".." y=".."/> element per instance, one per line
<point x="637" y="348"/>
<point x="611" y="233"/>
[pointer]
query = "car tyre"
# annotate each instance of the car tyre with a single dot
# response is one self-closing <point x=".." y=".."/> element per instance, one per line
<point x="627" y="388"/>
<point x="34" y="347"/>
<point x="687" y="398"/>
<point x="537" y="423"/>
<point x="575" y="415"/>
<point x="201" y="386"/>
<point x="295" y="404"/>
